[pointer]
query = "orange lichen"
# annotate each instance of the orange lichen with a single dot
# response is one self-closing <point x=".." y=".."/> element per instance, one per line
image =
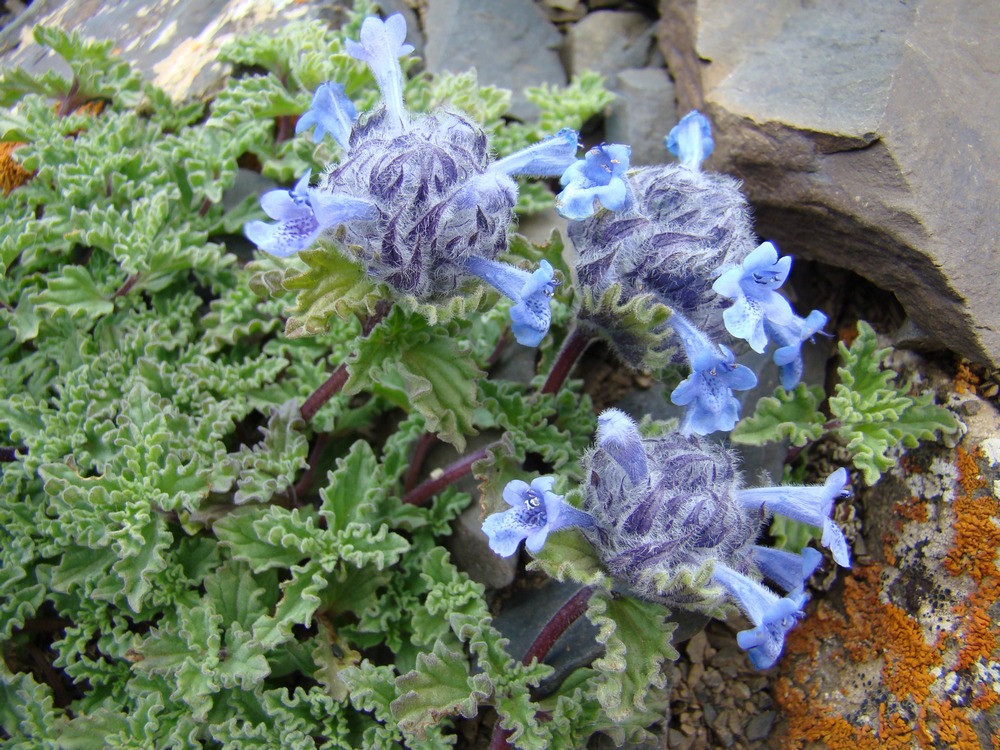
<point x="12" y="174"/>
<point x="919" y="710"/>
<point x="949" y="726"/>
<point x="977" y="534"/>
<point x="965" y="379"/>
<point x="913" y="509"/>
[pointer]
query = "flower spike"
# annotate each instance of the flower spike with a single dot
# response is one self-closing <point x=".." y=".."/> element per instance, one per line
<point x="690" y="140"/>
<point x="381" y="46"/>
<point x="812" y="505"/>
<point x="772" y="615"/>
<point x="531" y="293"/>
<point x="330" y="112"/>
<point x="753" y="287"/>
<point x="708" y="391"/>
<point x="599" y="176"/>
<point x="535" y="511"/>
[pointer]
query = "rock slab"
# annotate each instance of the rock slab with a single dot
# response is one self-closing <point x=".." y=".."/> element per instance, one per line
<point x="511" y="44"/>
<point x="865" y="134"/>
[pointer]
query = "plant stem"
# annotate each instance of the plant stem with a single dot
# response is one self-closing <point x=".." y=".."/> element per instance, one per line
<point x="330" y="388"/>
<point x="568" y="614"/>
<point x="333" y="384"/>
<point x="126" y="286"/>
<point x="424" y="444"/>
<point x="449" y="475"/>
<point x="573" y="347"/>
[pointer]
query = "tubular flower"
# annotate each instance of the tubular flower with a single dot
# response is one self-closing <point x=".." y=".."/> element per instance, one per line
<point x="753" y="286"/>
<point x="302" y="213"/>
<point x="331" y="112"/>
<point x="435" y="201"/>
<point x="599" y="176"/>
<point x="789" y="338"/>
<point x="708" y="391"/>
<point x="812" y="505"/>
<point x="772" y="615"/>
<point x="535" y="511"/>
<point x="531" y="293"/>
<point x="690" y="140"/>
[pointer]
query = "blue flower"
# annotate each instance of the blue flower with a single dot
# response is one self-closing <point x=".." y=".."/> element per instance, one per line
<point x="302" y="213"/>
<point x="548" y="158"/>
<point x="753" y="287"/>
<point x="773" y="616"/>
<point x="812" y="505"/>
<point x="620" y="438"/>
<point x="599" y="176"/>
<point x="787" y="569"/>
<point x="535" y="511"/>
<point x="381" y="46"/>
<point x="690" y="140"/>
<point x="330" y="112"/>
<point x="531" y="293"/>
<point x="789" y="339"/>
<point x="708" y="391"/>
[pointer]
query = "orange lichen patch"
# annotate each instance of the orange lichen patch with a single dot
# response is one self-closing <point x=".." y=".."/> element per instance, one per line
<point x="950" y="727"/>
<point x="93" y="107"/>
<point x="12" y="174"/>
<point x="913" y="509"/>
<point x="977" y="533"/>
<point x="965" y="380"/>
<point x="979" y="634"/>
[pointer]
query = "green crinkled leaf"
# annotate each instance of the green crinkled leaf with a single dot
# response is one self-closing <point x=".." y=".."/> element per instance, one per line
<point x="439" y="687"/>
<point x="638" y="330"/>
<point x="235" y="594"/>
<point x="74" y="291"/>
<point x="923" y="420"/>
<point x="792" y="535"/>
<point x="344" y="497"/>
<point x="270" y="466"/>
<point x="459" y="92"/>
<point x="636" y="637"/>
<point x="265" y="537"/>
<point x="568" y="555"/>
<point x="422" y="368"/>
<point x="299" y="601"/>
<point x="875" y="415"/>
<point x="97" y="72"/>
<point x="333" y="285"/>
<point x="793" y="416"/>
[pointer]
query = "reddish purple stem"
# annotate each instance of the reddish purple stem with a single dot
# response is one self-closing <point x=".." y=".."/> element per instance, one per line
<point x="449" y="475"/>
<point x="324" y="393"/>
<point x="573" y="347"/>
<point x="424" y="445"/>
<point x="568" y="614"/>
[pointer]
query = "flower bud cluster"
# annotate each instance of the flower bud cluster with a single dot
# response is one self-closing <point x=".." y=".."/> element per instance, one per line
<point x="671" y="521"/>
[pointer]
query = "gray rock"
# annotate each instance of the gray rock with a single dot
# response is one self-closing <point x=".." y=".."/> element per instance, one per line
<point x="510" y="44"/>
<point x="608" y="41"/>
<point x="174" y="44"/>
<point x="471" y="553"/>
<point x="865" y="134"/>
<point x="642" y="114"/>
